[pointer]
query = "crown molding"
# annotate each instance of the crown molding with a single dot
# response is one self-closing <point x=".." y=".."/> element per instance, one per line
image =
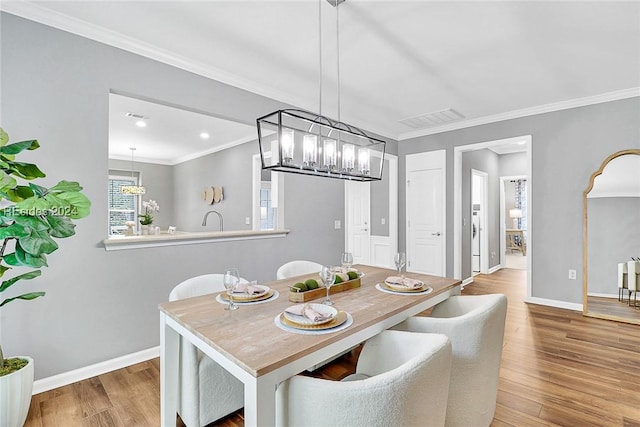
<point x="547" y="108"/>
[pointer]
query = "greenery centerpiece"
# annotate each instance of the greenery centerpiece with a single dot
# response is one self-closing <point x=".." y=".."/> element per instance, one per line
<point x="31" y="217"/>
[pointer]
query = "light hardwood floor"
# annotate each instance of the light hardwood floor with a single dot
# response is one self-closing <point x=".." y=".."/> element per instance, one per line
<point x="558" y="369"/>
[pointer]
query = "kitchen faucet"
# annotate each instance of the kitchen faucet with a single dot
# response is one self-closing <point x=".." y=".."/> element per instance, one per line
<point x="204" y="220"/>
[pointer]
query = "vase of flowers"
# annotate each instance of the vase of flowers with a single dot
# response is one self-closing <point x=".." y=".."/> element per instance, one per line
<point x="146" y="219"/>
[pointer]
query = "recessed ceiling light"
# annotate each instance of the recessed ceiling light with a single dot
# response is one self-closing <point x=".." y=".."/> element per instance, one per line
<point x="141" y="123"/>
<point x="204" y="135"/>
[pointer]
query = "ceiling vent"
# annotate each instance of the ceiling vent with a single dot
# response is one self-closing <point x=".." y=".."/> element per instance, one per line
<point x="135" y="116"/>
<point x="437" y="118"/>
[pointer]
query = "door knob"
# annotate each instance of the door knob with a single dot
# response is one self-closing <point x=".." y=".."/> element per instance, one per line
<point x="365" y="229"/>
<point x="435" y="234"/>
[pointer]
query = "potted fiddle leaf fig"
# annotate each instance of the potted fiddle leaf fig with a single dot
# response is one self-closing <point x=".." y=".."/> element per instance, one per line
<point x="31" y="218"/>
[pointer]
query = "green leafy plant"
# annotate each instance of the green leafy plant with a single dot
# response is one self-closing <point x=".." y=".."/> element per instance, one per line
<point x="31" y="217"/>
<point x="149" y="208"/>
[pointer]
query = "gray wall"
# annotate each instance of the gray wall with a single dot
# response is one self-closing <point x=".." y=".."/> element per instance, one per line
<point x="100" y="305"/>
<point x="513" y="164"/>
<point x="613" y="236"/>
<point x="567" y="147"/>
<point x="485" y="161"/>
<point x="230" y="169"/>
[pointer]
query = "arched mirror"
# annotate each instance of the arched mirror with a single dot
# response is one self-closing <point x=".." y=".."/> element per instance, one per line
<point x="611" y="239"/>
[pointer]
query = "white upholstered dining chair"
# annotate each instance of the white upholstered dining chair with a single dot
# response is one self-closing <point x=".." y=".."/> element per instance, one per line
<point x="207" y="391"/>
<point x="475" y="326"/>
<point x="401" y="379"/>
<point x="297" y="268"/>
<point x="623" y="279"/>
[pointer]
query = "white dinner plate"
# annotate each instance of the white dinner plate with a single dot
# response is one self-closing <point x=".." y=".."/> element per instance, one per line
<point x="323" y="309"/>
<point x="401" y="288"/>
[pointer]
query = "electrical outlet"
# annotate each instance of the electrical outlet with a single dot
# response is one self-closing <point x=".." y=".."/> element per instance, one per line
<point x="572" y="274"/>
<point x="337" y="224"/>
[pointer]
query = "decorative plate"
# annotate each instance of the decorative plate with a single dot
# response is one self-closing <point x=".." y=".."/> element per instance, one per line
<point x="338" y="320"/>
<point x="325" y="310"/>
<point x="207" y="195"/>
<point x="400" y="288"/>
<point x="240" y="297"/>
<point x="217" y="194"/>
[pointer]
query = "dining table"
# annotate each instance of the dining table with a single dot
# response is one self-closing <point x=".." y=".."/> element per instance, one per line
<point x="248" y="343"/>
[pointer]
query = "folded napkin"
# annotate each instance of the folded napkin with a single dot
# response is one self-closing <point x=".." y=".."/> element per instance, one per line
<point x="248" y="288"/>
<point x="405" y="282"/>
<point x="308" y="312"/>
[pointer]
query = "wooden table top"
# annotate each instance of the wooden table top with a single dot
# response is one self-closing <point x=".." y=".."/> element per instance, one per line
<point x="249" y="337"/>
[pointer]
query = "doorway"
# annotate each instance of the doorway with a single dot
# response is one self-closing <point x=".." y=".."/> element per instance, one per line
<point x="524" y="145"/>
<point x="426" y="212"/>
<point x="371" y="217"/>
<point x="513" y="222"/>
<point x="479" y="227"/>
<point x="358" y="221"/>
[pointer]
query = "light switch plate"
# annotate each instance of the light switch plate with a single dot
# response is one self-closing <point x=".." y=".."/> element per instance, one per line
<point x="337" y="224"/>
<point x="247" y="220"/>
<point x="383" y="221"/>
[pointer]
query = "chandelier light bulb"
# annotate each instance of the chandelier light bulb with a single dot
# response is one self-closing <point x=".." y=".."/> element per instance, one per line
<point x="363" y="161"/>
<point x="348" y="157"/>
<point x="286" y="145"/>
<point x="310" y="150"/>
<point x="330" y="154"/>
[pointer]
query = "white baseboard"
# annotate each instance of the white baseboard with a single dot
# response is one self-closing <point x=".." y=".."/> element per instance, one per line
<point x="595" y="294"/>
<point x="494" y="269"/>
<point x="55" y="381"/>
<point x="466" y="281"/>
<point x="553" y="303"/>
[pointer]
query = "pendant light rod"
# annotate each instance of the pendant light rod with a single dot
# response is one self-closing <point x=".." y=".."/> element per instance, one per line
<point x="338" y="55"/>
<point x="133" y="149"/>
<point x="320" y="55"/>
<point x="303" y="142"/>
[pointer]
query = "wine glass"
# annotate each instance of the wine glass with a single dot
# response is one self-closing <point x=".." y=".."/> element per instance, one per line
<point x="347" y="261"/>
<point x="400" y="259"/>
<point x="231" y="280"/>
<point x="328" y="276"/>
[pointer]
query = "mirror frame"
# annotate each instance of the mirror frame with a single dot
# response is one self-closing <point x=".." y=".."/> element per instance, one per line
<point x="585" y="308"/>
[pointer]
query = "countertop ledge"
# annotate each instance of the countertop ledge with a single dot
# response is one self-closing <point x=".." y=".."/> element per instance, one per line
<point x="187" y="238"/>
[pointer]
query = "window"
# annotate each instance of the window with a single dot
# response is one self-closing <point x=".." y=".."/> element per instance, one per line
<point x="267" y="213"/>
<point x="122" y="207"/>
<point x="521" y="201"/>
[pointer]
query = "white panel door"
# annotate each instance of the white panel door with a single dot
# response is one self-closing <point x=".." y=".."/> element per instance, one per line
<point x="358" y="221"/>
<point x="425" y="213"/>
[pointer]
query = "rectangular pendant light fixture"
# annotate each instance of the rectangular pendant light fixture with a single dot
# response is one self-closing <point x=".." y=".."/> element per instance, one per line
<point x="310" y="144"/>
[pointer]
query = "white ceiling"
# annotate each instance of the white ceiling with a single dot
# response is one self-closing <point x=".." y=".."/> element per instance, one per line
<point x="171" y="135"/>
<point x="487" y="60"/>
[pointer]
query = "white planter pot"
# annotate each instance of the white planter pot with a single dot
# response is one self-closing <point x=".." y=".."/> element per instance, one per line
<point x="15" y="395"/>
